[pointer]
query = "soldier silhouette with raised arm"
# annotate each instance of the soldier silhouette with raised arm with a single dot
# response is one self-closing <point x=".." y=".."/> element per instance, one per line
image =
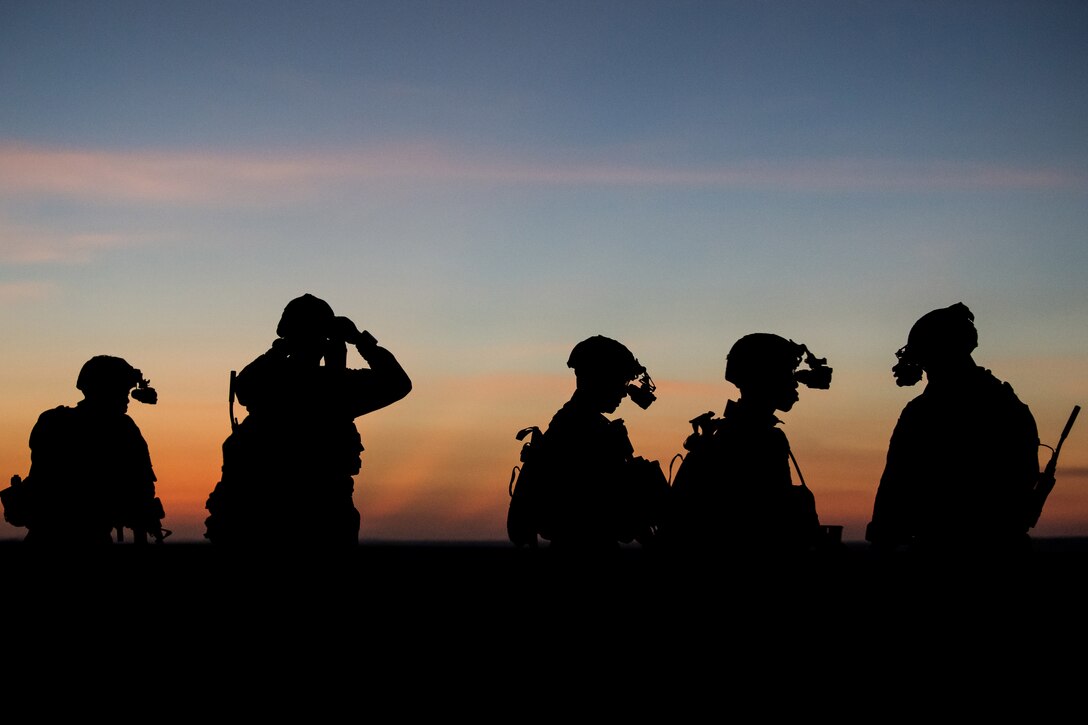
<point x="734" y="491"/>
<point x="590" y="491"/>
<point x="963" y="457"/>
<point x="90" y="473"/>
<point x="288" y="467"/>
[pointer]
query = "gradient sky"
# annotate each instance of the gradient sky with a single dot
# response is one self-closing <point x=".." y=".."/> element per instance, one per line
<point x="483" y="184"/>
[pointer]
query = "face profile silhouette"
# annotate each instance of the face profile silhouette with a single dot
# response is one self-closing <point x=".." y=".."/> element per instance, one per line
<point x="106" y="381"/>
<point x="762" y="366"/>
<point x="939" y="341"/>
<point x="604" y="370"/>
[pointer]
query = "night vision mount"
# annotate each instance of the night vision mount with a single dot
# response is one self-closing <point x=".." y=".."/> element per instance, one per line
<point x="143" y="392"/>
<point x="907" y="370"/>
<point x="817" y="375"/>
<point x="641" y="391"/>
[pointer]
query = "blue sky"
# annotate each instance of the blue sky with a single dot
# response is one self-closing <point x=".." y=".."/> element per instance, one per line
<point x="483" y="184"/>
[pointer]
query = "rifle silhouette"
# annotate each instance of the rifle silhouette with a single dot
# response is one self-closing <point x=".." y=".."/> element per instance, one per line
<point x="1045" y="484"/>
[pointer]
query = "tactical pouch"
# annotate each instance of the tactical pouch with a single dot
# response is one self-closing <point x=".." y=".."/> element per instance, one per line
<point x="17" y="500"/>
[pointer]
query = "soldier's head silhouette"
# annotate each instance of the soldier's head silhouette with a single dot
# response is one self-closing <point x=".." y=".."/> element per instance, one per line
<point x="306" y="317"/>
<point x="764" y="367"/>
<point x="305" y="327"/>
<point x="939" y="340"/>
<point x="606" y="373"/>
<point x="106" y="380"/>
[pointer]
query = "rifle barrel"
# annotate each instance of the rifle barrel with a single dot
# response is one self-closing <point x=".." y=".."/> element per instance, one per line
<point x="1046" y="481"/>
<point x="1068" y="426"/>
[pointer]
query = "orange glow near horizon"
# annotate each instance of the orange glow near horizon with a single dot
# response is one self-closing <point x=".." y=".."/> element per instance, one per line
<point x="437" y="465"/>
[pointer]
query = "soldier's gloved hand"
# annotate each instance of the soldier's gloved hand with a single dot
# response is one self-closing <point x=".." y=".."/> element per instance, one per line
<point x="362" y="340"/>
<point x="346" y="330"/>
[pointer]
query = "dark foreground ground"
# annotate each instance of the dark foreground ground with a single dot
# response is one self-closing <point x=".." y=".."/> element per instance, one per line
<point x="462" y="630"/>
<point x="406" y="582"/>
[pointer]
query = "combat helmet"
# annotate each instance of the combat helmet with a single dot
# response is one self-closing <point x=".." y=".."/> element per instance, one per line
<point x="945" y="333"/>
<point x="602" y="357"/>
<point x="949" y="331"/>
<point x="306" y="316"/>
<point x="109" y="374"/>
<point x="753" y="357"/>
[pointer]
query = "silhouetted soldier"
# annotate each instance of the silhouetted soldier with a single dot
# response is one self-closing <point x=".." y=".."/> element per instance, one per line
<point x="288" y="467"/>
<point x="964" y="454"/>
<point x="734" y="491"/>
<point x="90" y="472"/>
<point x="593" y="493"/>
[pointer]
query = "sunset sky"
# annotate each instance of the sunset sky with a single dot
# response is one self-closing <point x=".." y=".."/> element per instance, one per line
<point x="483" y="184"/>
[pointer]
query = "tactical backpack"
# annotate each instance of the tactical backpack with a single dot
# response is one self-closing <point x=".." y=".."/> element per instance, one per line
<point x="523" y="518"/>
<point x="798" y="515"/>
<point x="21" y="501"/>
<point x="532" y="514"/>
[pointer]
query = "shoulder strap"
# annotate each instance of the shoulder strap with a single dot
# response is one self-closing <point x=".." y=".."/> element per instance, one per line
<point x="233" y="420"/>
<point x="796" y="467"/>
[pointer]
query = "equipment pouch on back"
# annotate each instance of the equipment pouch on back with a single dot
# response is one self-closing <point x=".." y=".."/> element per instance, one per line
<point x="17" y="500"/>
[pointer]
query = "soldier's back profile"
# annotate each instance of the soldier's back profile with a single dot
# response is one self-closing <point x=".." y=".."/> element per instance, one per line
<point x="91" y="476"/>
<point x="592" y="493"/>
<point x="734" y="491"/>
<point x="288" y="467"/>
<point x="963" y="456"/>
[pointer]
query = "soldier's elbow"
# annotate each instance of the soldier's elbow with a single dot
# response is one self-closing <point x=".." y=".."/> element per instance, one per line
<point x="405" y="387"/>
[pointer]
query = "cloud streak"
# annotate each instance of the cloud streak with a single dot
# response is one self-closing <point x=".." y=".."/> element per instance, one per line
<point x="232" y="178"/>
<point x="11" y="292"/>
<point x="23" y="246"/>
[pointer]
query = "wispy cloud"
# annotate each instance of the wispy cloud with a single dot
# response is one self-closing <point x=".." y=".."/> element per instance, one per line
<point x="24" y="245"/>
<point x="205" y="178"/>
<point x="148" y="176"/>
<point x="19" y="291"/>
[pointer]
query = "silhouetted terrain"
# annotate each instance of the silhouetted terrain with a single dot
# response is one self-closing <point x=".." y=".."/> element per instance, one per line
<point x="498" y="577"/>
<point x="199" y="624"/>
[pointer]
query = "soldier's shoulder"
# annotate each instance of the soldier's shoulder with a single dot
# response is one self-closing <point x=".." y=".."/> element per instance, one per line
<point x="128" y="423"/>
<point x="573" y="414"/>
<point x="918" y="403"/>
<point x="56" y="415"/>
<point x="998" y="388"/>
<point x="53" y="425"/>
